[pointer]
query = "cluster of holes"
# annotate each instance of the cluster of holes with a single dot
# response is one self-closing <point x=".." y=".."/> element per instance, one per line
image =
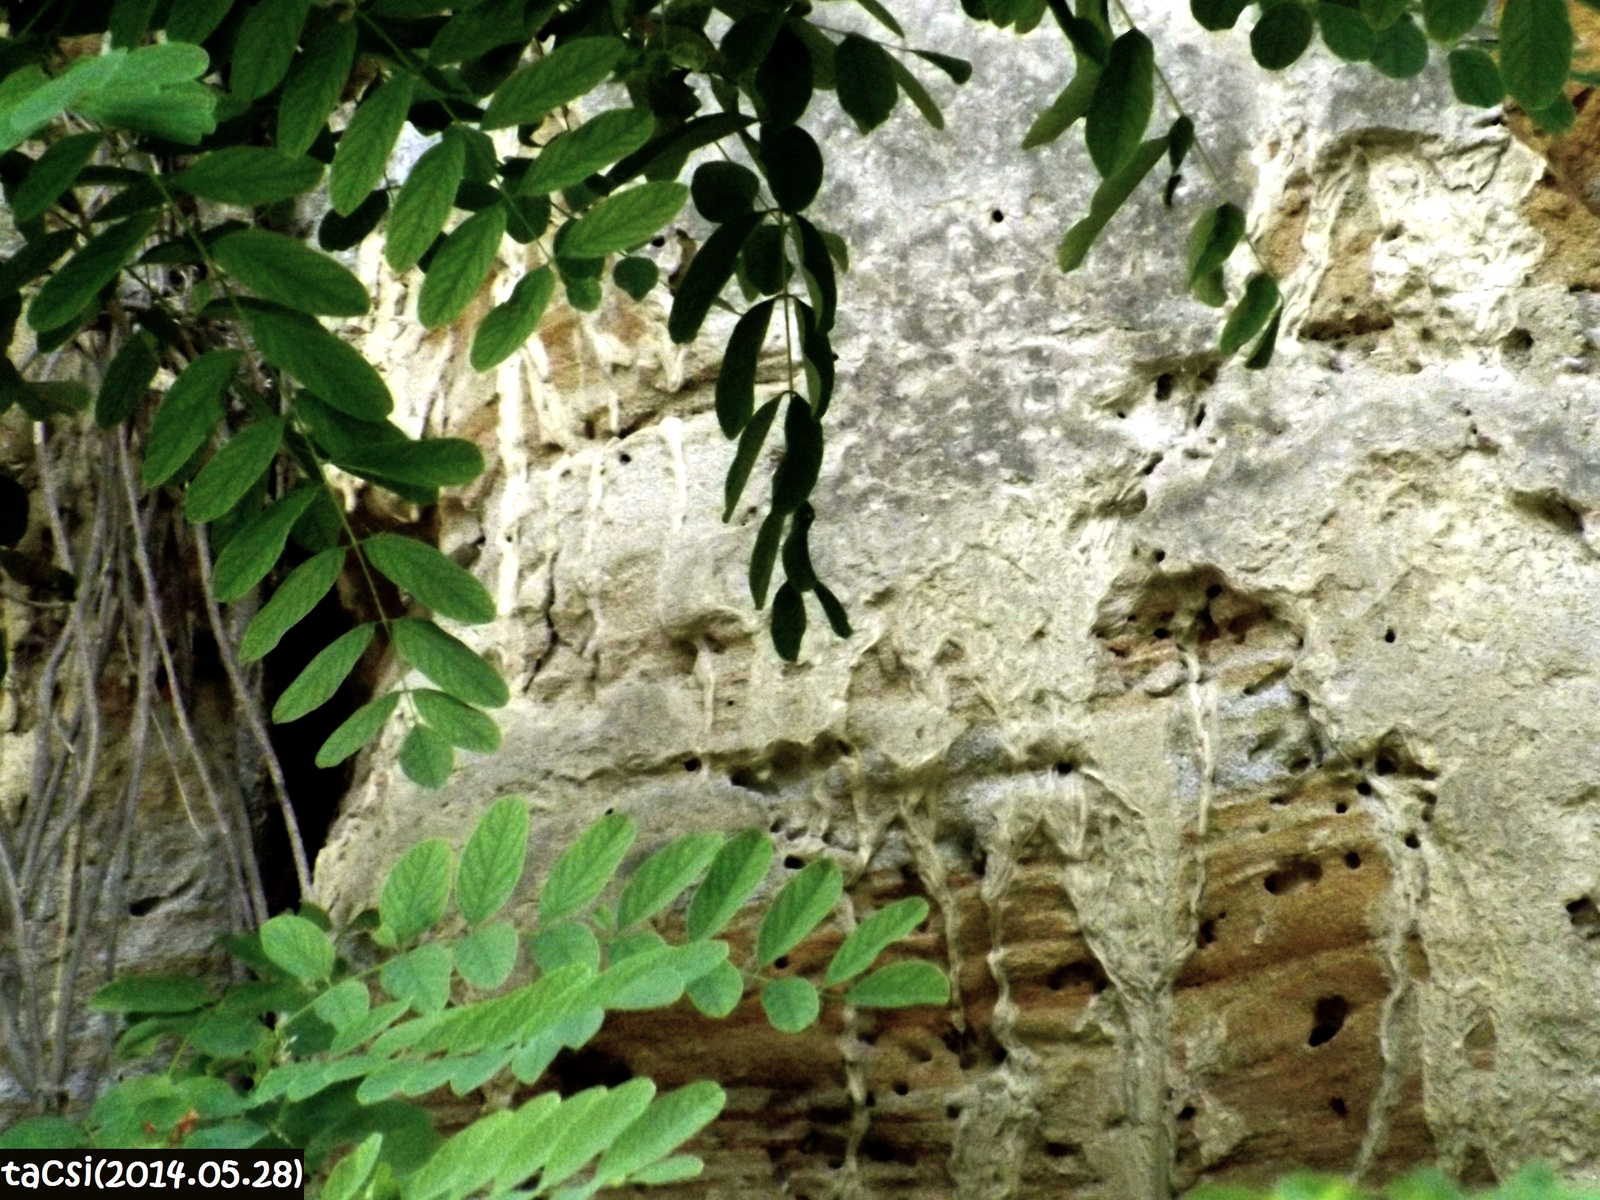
<point x="1327" y="1019"/>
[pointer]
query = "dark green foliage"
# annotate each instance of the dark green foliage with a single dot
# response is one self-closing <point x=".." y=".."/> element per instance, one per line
<point x="1281" y="35"/>
<point x="1119" y="113"/>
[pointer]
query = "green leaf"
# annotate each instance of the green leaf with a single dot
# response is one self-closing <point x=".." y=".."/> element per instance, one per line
<point x="431" y="577"/>
<point x="1346" y="32"/>
<point x="959" y="69"/>
<point x="43" y="1133"/>
<point x="1064" y="112"/>
<point x="1448" y="20"/>
<point x="156" y="92"/>
<point x="33" y="259"/>
<point x="71" y="289"/>
<point x="1556" y="118"/>
<point x="1381" y="14"/>
<point x="420" y="977"/>
<point x="346" y="1002"/>
<point x="567" y="72"/>
<point x="802" y="458"/>
<point x="195" y="20"/>
<point x="564" y="944"/>
<point x="718" y="992"/>
<point x="367" y="142"/>
<point x="1211" y="243"/>
<point x="901" y="985"/>
<point x="624" y="219"/>
<point x="1475" y="78"/>
<point x="816" y="262"/>
<point x="636" y="276"/>
<point x="424" y="203"/>
<point x="883" y="16"/>
<point x="788" y="622"/>
<point x="793" y="166"/>
<point x="433" y="463"/>
<point x="786" y="79"/>
<point x="764" y="554"/>
<point x="866" y="84"/>
<point x="1401" y="50"/>
<point x="52" y="175"/>
<point x="603" y="1121"/>
<point x="459" y="724"/>
<point x="744" y="459"/>
<point x="351" y="1172"/>
<point x="190" y="411"/>
<point x="326" y="364"/>
<point x="460" y="267"/>
<point x="151" y="994"/>
<point x="361" y="727"/>
<point x="870" y="938"/>
<point x="305" y="587"/>
<point x="791" y="1005"/>
<point x="708" y="273"/>
<point x="574" y="156"/>
<point x="257" y="546"/>
<point x="426" y="757"/>
<point x="803" y="902"/>
<point x="735" y="397"/>
<point x="1217" y="15"/>
<point x="298" y="946"/>
<point x="248" y="176"/>
<point x="287" y="271"/>
<point x="266" y="44"/>
<point x="126" y="380"/>
<point x="723" y="190"/>
<point x="233" y="470"/>
<point x="449" y="663"/>
<point x="587" y="866"/>
<point x="833" y="610"/>
<point x="315" y="83"/>
<point x="662" y="877"/>
<point x="671" y="1120"/>
<point x="1120" y="111"/>
<point x="512" y="323"/>
<point x="1108" y="198"/>
<point x="492" y="862"/>
<point x="485" y="958"/>
<point x="29" y="101"/>
<point x="416" y="890"/>
<point x="1281" y="35"/>
<point x="1535" y="50"/>
<point x="1261" y="356"/>
<point x="916" y="93"/>
<point x="1250" y="317"/>
<point x="316" y="685"/>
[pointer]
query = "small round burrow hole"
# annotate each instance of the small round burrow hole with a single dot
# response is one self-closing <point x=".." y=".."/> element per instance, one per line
<point x="1353" y="861"/>
<point x="902" y="1088"/>
<point x="691" y="764"/>
<point x="1413" y="842"/>
<point x="1327" y="1019"/>
<point x="997" y="216"/>
<point x="1340" y="1108"/>
<point x="793" y="862"/>
<point x="1388" y="636"/>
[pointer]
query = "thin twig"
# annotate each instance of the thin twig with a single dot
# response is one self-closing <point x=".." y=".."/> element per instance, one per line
<point x="246" y="701"/>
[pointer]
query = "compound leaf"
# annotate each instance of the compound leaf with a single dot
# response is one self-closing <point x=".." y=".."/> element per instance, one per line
<point x="366" y="144"/>
<point x="662" y="877"/>
<point x="567" y="72"/>
<point x="188" y="414"/>
<point x="287" y="271"/>
<point x="233" y="470"/>
<point x="298" y="946"/>
<point x="315" y="83"/>
<point x="436" y="581"/>
<point x="253" y="550"/>
<point x="424" y="203"/>
<point x="460" y="724"/>
<point x="869" y="939"/>
<point x="900" y="985"/>
<point x="798" y="908"/>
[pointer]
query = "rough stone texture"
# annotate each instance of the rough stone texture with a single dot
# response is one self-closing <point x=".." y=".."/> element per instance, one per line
<point x="1238" y="726"/>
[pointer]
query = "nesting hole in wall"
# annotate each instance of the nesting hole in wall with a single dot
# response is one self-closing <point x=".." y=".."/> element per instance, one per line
<point x="997" y="216"/>
<point x="1164" y="386"/>
<point x="902" y="1088"/>
<point x="1585" y="918"/>
<point x="1517" y="344"/>
<point x="793" y="862"/>
<point x="1340" y="1108"/>
<point x="1341" y="807"/>
<point x="1363" y="788"/>
<point x="881" y="1150"/>
<point x="1062" y="1149"/>
<point x="1186" y="1113"/>
<point x="1327" y="1019"/>
<point x="1353" y="860"/>
<point x="691" y="764"/>
<point x="1207" y="933"/>
<point x="952" y="1112"/>
<point x="143" y="908"/>
<point x="1085" y="973"/>
<point x="1294" y="876"/>
<point x="1413" y="842"/>
<point x="1388" y="636"/>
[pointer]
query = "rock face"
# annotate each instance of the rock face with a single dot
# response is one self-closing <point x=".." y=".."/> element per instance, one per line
<point x="1238" y="727"/>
